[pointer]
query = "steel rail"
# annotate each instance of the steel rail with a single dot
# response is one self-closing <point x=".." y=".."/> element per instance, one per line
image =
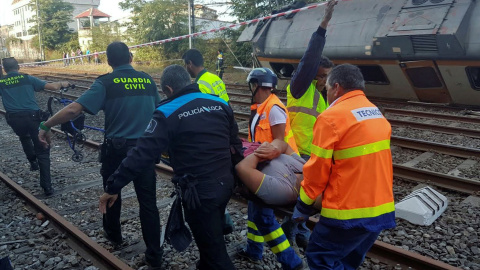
<point x="382" y="251"/>
<point x="451" y="182"/>
<point x="452" y="150"/>
<point x="85" y="246"/>
<point x="439" y="128"/>
<point x="475" y="120"/>
<point x="399" y="257"/>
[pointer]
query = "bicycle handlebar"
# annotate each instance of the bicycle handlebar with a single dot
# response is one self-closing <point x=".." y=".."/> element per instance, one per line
<point x="65" y="89"/>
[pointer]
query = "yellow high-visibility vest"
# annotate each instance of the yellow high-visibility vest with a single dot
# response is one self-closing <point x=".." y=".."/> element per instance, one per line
<point x="210" y="83"/>
<point x="303" y="113"/>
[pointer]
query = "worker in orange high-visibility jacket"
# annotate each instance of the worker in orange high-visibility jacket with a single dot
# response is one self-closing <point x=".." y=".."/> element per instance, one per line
<point x="269" y="122"/>
<point x="351" y="165"/>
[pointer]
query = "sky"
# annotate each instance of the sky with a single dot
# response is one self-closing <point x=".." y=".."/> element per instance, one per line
<point x="111" y="8"/>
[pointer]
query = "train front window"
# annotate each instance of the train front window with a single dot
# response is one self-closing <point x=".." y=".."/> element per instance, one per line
<point x="473" y="74"/>
<point x="373" y="74"/>
<point x="283" y="70"/>
<point x="423" y="77"/>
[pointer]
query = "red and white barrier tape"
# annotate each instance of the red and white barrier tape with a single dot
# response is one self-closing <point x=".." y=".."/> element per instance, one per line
<point x="190" y="35"/>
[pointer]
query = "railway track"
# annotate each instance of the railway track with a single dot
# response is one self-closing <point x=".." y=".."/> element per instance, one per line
<point x="411" y="174"/>
<point x="102" y="258"/>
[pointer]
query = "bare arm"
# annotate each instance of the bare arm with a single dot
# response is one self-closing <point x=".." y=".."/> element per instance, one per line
<point x="248" y="173"/>
<point x="68" y="113"/>
<point x="56" y="85"/>
<point x="278" y="132"/>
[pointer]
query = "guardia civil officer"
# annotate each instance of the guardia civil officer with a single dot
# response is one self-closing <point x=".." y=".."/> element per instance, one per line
<point x="24" y="115"/>
<point x="306" y="99"/>
<point x="128" y="99"/>
<point x="351" y="165"/>
<point x="208" y="82"/>
<point x="198" y="130"/>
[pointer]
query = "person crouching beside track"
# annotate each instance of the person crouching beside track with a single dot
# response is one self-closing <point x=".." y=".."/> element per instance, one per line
<point x="127" y="114"/>
<point x="351" y="165"/>
<point x="269" y="121"/>
<point x="199" y="131"/>
<point x="24" y="116"/>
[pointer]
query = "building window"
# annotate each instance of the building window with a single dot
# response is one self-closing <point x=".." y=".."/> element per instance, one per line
<point x="473" y="74"/>
<point x="283" y="70"/>
<point x="423" y="77"/>
<point x="373" y="74"/>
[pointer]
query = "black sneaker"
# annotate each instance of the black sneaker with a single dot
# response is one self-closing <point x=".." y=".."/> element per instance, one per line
<point x="49" y="191"/>
<point x="242" y="252"/>
<point x="34" y="166"/>
<point x="115" y="243"/>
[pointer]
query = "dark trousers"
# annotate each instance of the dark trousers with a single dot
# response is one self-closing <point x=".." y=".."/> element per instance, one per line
<point x="206" y="223"/>
<point x="145" y="187"/>
<point x="25" y="125"/>
<point x="338" y="249"/>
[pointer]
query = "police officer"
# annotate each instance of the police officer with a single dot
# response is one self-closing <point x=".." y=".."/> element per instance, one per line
<point x="24" y="115"/>
<point x="199" y="131"/>
<point x="305" y="101"/>
<point x="351" y="165"/>
<point x="209" y="83"/>
<point x="128" y="98"/>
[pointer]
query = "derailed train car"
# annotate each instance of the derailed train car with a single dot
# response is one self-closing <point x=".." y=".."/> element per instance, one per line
<point x="421" y="50"/>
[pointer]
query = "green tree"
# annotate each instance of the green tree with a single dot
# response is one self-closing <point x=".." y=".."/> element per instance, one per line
<point x="54" y="15"/>
<point x="156" y="20"/>
<point x="105" y="34"/>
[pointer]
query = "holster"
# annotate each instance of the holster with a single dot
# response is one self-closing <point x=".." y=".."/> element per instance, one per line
<point x="42" y="115"/>
<point x="115" y="146"/>
<point x="102" y="154"/>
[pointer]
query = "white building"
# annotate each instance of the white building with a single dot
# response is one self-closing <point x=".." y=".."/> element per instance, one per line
<point x="23" y="14"/>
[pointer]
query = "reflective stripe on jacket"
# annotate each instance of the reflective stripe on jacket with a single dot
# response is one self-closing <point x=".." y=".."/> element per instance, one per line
<point x="351" y="164"/>
<point x="210" y="83"/>
<point x="303" y="113"/>
<point x="263" y="131"/>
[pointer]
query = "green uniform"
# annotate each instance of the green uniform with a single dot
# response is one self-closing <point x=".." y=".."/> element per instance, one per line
<point x="17" y="91"/>
<point x="128" y="99"/>
<point x="23" y="116"/>
<point x="118" y="94"/>
<point x="210" y="83"/>
<point x="303" y="113"/>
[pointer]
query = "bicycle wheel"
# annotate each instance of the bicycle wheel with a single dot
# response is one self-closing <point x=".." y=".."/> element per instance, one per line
<point x="54" y="105"/>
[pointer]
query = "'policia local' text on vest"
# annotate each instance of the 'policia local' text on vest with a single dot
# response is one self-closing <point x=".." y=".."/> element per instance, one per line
<point x="210" y="83"/>
<point x="263" y="130"/>
<point x="303" y="113"/>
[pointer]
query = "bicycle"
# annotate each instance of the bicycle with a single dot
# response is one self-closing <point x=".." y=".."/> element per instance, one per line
<point x="73" y="128"/>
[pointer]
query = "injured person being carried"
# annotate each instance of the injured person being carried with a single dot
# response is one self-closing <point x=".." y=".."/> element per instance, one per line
<point x="273" y="172"/>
